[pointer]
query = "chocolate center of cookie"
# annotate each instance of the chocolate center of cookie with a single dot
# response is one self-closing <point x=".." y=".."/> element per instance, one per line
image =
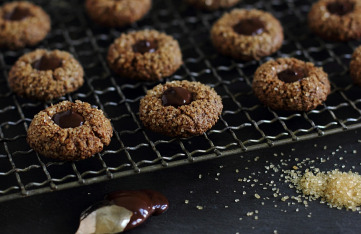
<point x="292" y="75"/>
<point x="145" y="46"/>
<point x="340" y="8"/>
<point x="47" y="62"/>
<point x="17" y="14"/>
<point x="249" y="27"/>
<point x="68" y="119"/>
<point x="176" y="96"/>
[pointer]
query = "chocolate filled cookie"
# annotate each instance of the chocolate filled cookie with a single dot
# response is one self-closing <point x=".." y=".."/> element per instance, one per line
<point x="180" y="108"/>
<point x="45" y="75"/>
<point x="338" y="20"/>
<point x="22" y="24"/>
<point x="247" y="34"/>
<point x="212" y="5"/>
<point x="113" y="13"/>
<point x="69" y="131"/>
<point x="355" y="66"/>
<point x="290" y="84"/>
<point x="144" y="55"/>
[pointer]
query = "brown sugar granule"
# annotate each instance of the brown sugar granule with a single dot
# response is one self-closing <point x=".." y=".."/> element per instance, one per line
<point x="144" y="55"/>
<point x="212" y="5"/>
<point x="185" y="120"/>
<point x="22" y="24"/>
<point x="228" y="40"/>
<point x="45" y="75"/>
<point x="339" y="189"/>
<point x="290" y="91"/>
<point x="50" y="134"/>
<point x="338" y="20"/>
<point x="117" y="13"/>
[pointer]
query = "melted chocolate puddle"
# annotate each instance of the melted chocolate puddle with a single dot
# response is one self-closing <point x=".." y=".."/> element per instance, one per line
<point x="143" y="203"/>
<point x="18" y="14"/>
<point x="47" y="62"/>
<point x="340" y="8"/>
<point x="176" y="96"/>
<point x="122" y="210"/>
<point x="249" y="27"/>
<point x="292" y="75"/>
<point x="68" y="119"/>
<point x="145" y="46"/>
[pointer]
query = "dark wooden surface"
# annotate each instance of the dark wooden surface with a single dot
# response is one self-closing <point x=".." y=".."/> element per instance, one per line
<point x="58" y="212"/>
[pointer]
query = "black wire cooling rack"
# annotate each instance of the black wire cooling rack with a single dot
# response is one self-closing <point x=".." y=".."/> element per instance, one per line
<point x="244" y="125"/>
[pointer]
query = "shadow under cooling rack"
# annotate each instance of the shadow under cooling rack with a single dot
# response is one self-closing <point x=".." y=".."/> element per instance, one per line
<point x="243" y="125"/>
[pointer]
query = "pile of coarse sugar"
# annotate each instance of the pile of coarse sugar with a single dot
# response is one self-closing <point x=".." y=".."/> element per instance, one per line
<point x="338" y="189"/>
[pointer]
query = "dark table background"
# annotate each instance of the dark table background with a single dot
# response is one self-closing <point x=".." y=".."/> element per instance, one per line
<point x="214" y="184"/>
<point x="58" y="212"/>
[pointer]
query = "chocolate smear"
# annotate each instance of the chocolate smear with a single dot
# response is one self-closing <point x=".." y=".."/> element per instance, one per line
<point x="122" y="210"/>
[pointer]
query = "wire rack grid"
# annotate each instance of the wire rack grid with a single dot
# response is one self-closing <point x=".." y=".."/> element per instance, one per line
<point x="244" y="125"/>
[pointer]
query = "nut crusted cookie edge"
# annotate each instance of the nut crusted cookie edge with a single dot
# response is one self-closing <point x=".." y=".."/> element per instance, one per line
<point x="29" y="82"/>
<point x="303" y="95"/>
<point x="229" y="43"/>
<point x="183" y="121"/>
<point x="332" y="26"/>
<point x="355" y="66"/>
<point x="50" y="140"/>
<point x="164" y="62"/>
<point x="117" y="13"/>
<point x="213" y="4"/>
<point x="27" y="32"/>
